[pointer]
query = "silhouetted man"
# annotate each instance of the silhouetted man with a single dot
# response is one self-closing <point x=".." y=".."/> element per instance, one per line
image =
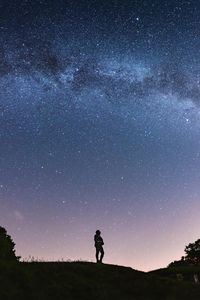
<point x="99" y="246"/>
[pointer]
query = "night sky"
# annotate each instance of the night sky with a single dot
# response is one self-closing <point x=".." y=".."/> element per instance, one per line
<point x="100" y="128"/>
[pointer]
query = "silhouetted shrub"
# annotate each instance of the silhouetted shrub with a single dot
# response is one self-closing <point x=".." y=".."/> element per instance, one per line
<point x="191" y="258"/>
<point x="7" y="247"/>
<point x="193" y="252"/>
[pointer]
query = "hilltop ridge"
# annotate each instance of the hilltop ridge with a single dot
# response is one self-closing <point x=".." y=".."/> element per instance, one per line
<point x="85" y="281"/>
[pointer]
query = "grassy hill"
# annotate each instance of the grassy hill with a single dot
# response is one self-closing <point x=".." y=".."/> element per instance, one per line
<point x="81" y="280"/>
<point x="186" y="272"/>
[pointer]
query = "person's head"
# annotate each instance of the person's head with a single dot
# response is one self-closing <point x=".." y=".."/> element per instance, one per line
<point x="98" y="232"/>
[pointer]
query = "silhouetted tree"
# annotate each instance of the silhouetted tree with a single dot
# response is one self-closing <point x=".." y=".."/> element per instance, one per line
<point x="7" y="251"/>
<point x="193" y="252"/>
<point x="192" y="256"/>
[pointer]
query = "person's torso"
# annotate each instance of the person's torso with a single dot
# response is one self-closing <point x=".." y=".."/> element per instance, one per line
<point x="98" y="241"/>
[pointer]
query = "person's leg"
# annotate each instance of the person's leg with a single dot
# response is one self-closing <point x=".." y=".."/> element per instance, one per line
<point x="97" y="255"/>
<point x="102" y="254"/>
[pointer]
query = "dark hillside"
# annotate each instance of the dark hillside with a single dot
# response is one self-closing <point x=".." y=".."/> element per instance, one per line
<point x="182" y="273"/>
<point x="80" y="280"/>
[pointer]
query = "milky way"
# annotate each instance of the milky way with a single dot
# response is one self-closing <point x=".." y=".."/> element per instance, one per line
<point x="99" y="128"/>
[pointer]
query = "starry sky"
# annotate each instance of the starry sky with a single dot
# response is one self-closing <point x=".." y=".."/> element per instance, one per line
<point x="100" y="128"/>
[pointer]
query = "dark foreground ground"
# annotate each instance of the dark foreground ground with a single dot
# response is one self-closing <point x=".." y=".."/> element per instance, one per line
<point x="81" y="280"/>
